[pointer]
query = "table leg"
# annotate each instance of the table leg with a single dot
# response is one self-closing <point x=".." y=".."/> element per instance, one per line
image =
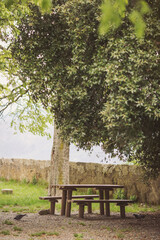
<point x="122" y="211"/>
<point x="101" y="204"/>
<point x="63" y="203"/>
<point x="68" y="207"/>
<point x="52" y="206"/>
<point x="107" y="204"/>
<point x="89" y="208"/>
<point x="81" y="210"/>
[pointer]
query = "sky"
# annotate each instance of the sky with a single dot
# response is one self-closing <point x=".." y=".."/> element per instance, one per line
<point x="29" y="146"/>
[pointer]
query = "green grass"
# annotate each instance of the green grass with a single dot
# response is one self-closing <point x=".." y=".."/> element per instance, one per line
<point x="82" y="224"/>
<point x="120" y="235"/>
<point x="25" y="198"/>
<point x="7" y="222"/>
<point x="78" y="236"/>
<point x="5" y="232"/>
<point x="17" y="229"/>
<point x="39" y="234"/>
<point x="131" y="208"/>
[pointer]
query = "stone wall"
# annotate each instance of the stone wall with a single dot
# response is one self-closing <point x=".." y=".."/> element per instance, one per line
<point x="129" y="176"/>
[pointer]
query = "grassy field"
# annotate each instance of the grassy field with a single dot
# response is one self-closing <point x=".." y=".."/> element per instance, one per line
<point x="25" y="198"/>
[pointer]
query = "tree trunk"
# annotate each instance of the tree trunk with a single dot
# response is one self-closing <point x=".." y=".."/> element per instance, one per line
<point x="59" y="169"/>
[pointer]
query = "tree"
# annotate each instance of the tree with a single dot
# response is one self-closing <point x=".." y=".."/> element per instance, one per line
<point x="101" y="89"/>
<point x="59" y="169"/>
<point x="47" y="66"/>
<point x="114" y="11"/>
<point x="44" y="5"/>
<point x="15" y="99"/>
<point x="132" y="111"/>
<point x="29" y="116"/>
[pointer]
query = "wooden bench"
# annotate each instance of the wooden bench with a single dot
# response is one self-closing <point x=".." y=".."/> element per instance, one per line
<point x="7" y="191"/>
<point x="120" y="202"/>
<point x="54" y="199"/>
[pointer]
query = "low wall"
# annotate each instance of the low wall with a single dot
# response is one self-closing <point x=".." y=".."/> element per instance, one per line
<point x="128" y="175"/>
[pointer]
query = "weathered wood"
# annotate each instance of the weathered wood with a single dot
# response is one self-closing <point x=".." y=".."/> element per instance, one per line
<point x="107" y="205"/>
<point x="68" y="206"/>
<point x="50" y="197"/>
<point x="89" y="208"/>
<point x="122" y="208"/>
<point x="59" y="167"/>
<point x="122" y="211"/>
<point x="101" y="203"/>
<point x="7" y="191"/>
<point x="52" y="206"/>
<point x="73" y="196"/>
<point x="120" y="202"/>
<point x="97" y="186"/>
<point x="63" y="203"/>
<point x="81" y="210"/>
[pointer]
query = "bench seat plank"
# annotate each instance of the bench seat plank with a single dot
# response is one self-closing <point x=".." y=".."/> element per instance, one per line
<point x="54" y="199"/>
<point x="74" y="196"/>
<point x="103" y="200"/>
<point x="120" y="202"/>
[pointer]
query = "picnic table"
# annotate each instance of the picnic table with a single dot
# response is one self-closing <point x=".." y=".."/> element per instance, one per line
<point x="104" y="189"/>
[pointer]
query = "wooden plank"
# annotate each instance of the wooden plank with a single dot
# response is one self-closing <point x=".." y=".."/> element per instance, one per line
<point x="89" y="208"/>
<point x="104" y="186"/>
<point x="118" y="201"/>
<point x="68" y="207"/>
<point x="74" y="196"/>
<point x="50" y="197"/>
<point x="63" y="203"/>
<point x="101" y="203"/>
<point x="107" y="204"/>
<point x="7" y="191"/>
<point x="52" y="208"/>
<point x="122" y="211"/>
<point x="81" y="210"/>
<point x="85" y="196"/>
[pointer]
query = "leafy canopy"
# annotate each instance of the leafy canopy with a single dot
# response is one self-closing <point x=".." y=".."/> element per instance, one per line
<point x="45" y="5"/>
<point x="101" y="89"/>
<point x="114" y="11"/>
<point x="15" y="100"/>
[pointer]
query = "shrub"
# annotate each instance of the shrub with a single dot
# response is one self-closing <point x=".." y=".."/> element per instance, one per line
<point x="119" y="194"/>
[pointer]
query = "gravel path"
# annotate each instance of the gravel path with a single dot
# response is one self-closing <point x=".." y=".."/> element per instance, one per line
<point x="92" y="227"/>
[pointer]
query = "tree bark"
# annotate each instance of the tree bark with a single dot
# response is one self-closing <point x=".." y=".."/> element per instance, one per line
<point x="59" y="168"/>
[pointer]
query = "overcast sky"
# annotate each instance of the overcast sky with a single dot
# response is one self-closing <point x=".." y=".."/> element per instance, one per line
<point x="29" y="146"/>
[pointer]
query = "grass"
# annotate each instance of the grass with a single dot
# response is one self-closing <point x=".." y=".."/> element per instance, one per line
<point x="17" y="229"/>
<point x="120" y="235"/>
<point x="25" y="198"/>
<point x="7" y="222"/>
<point x="39" y="234"/>
<point x="5" y="232"/>
<point x="78" y="236"/>
<point x="82" y="224"/>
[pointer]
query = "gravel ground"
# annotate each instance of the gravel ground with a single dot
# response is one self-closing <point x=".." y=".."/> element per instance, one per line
<point x="92" y="227"/>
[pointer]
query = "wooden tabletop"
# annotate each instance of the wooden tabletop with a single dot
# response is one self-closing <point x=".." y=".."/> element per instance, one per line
<point x="97" y="186"/>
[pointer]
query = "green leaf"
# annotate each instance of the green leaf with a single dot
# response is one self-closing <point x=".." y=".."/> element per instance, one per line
<point x="138" y="22"/>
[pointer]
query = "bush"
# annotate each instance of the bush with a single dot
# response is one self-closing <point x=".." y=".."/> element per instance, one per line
<point x="119" y="194"/>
